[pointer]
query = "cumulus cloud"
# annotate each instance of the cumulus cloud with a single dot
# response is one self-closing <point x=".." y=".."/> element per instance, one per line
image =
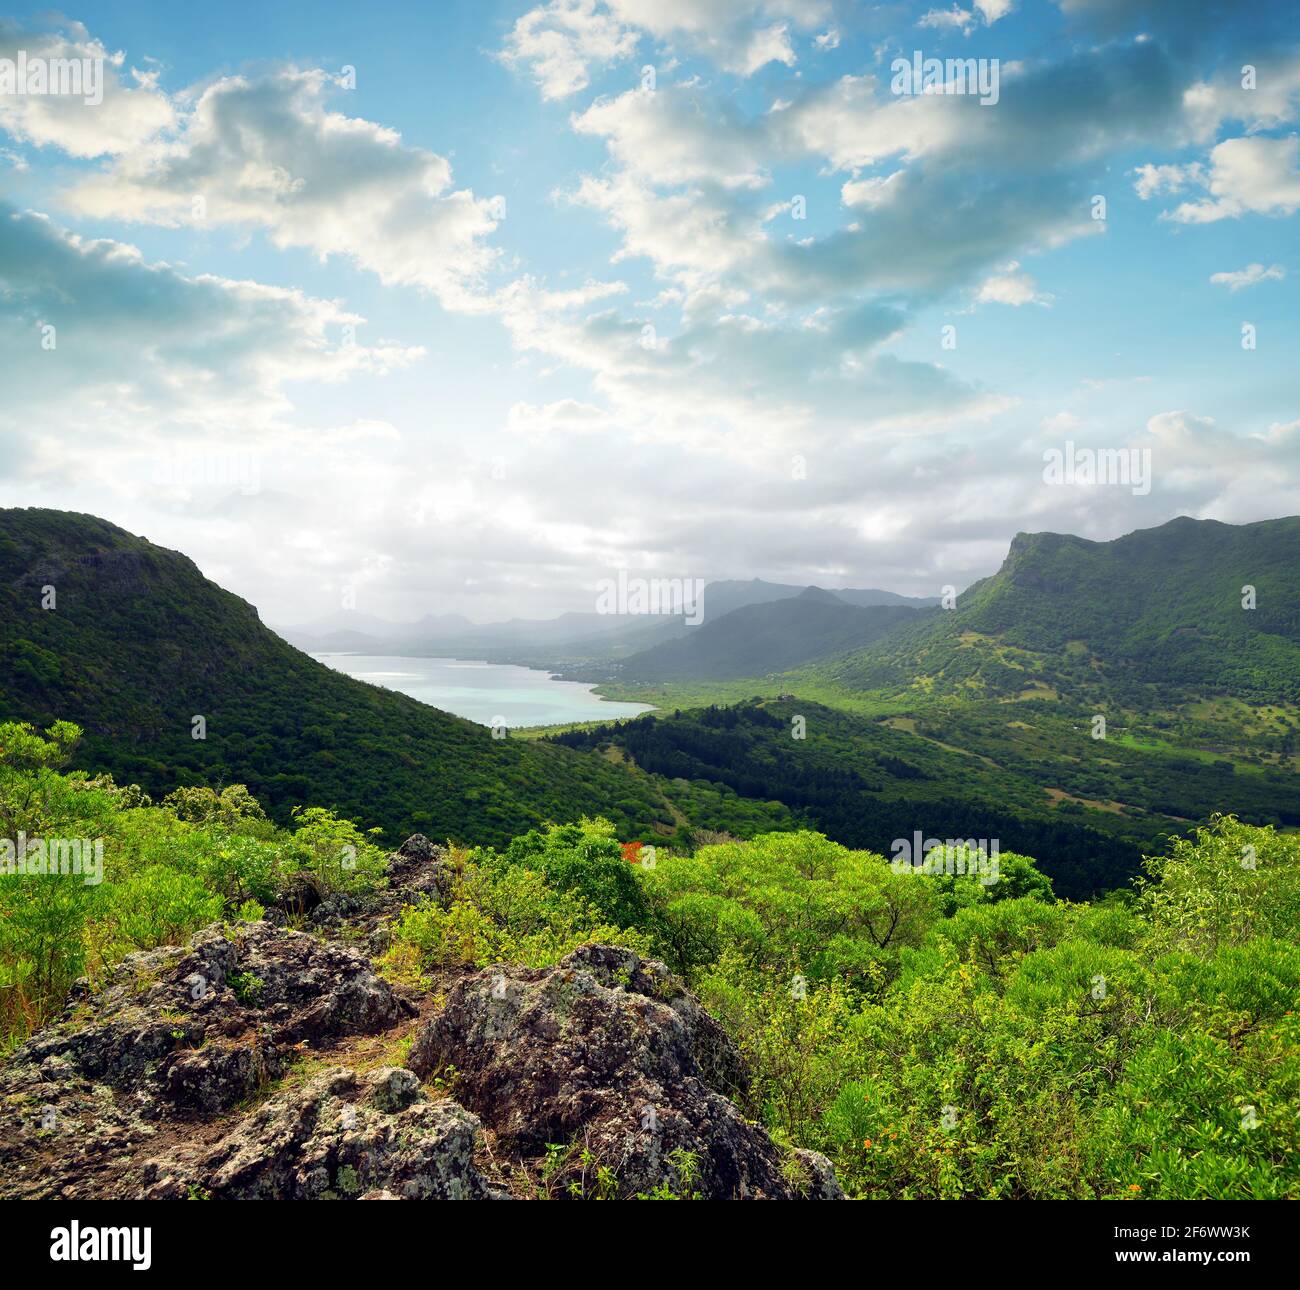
<point x="753" y="399"/>
<point x="1254" y="175"/>
<point x="564" y="42"/>
<point x="965" y="20"/>
<point x="956" y="18"/>
<point x="674" y="136"/>
<point x="150" y="341"/>
<point x="133" y="109"/>
<point x="939" y="188"/>
<point x="561" y="41"/>
<point x="267" y="153"/>
<point x="1013" y="287"/>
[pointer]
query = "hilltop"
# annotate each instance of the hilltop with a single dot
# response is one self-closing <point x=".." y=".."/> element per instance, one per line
<point x="1156" y="615"/>
<point x="137" y="644"/>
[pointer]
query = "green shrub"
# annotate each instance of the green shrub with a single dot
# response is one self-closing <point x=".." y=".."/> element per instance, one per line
<point x="160" y="906"/>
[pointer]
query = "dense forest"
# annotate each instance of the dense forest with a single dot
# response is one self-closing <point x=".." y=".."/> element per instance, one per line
<point x="865" y="783"/>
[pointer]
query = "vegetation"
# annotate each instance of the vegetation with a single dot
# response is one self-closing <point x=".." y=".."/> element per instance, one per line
<point x="770" y="637"/>
<point x="1161" y="615"/>
<point x="159" y="873"/>
<point x="936" y="1034"/>
<point x="1111" y="1014"/>
<point x="866" y="784"/>
<point x="175" y="682"/>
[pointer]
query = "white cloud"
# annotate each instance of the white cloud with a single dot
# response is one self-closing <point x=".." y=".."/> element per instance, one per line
<point x="673" y="137"/>
<point x="563" y="417"/>
<point x="1152" y="180"/>
<point x="141" y="340"/>
<point x="267" y="153"/>
<point x="1253" y="175"/>
<point x="133" y="109"/>
<point x="560" y="41"/>
<point x="767" y="45"/>
<point x="1252" y="274"/>
<point x="564" y="42"/>
<point x="1011" y="286"/>
<point x="964" y="20"/>
<point x="666" y="449"/>
<point x="956" y="19"/>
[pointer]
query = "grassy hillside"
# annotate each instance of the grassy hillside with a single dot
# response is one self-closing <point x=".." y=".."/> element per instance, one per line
<point x="138" y="643"/>
<point x="1155" y="616"/>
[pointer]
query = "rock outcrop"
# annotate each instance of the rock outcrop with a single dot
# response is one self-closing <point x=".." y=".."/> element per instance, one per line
<point x="258" y="1063"/>
<point x="178" y="1034"/>
<point x="341" y="1136"/>
<point x="608" y="1050"/>
<point x="197" y="1028"/>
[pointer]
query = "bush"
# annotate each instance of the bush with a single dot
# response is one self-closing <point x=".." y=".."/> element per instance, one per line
<point x="160" y="906"/>
<point x="499" y="915"/>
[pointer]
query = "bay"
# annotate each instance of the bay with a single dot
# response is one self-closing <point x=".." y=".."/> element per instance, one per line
<point x="484" y="692"/>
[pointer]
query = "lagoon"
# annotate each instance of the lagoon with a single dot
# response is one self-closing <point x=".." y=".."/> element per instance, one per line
<point x="484" y="692"/>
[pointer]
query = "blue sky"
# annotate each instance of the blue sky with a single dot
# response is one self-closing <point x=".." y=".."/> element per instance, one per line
<point x="587" y="332"/>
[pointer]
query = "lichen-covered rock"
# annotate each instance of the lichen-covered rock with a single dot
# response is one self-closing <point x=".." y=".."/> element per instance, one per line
<point x="608" y="1050"/>
<point x="142" y="1088"/>
<point x="340" y="1136"/>
<point x="420" y="868"/>
<point x="201" y="1026"/>
<point x="176" y="1033"/>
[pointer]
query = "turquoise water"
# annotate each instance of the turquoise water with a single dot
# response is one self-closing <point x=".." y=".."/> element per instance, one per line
<point x="484" y="692"/>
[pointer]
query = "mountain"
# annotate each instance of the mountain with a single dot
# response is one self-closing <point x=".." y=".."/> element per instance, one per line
<point x="136" y="646"/>
<point x="342" y="642"/>
<point x="351" y="631"/>
<point x="567" y="639"/>
<point x="872" y="597"/>
<point x="1157" y="615"/>
<point x="764" y="637"/>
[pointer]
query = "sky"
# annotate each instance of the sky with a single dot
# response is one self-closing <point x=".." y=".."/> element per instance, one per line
<point x="465" y="307"/>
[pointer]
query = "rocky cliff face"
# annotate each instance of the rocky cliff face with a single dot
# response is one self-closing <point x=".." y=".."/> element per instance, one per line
<point x="263" y="1063"/>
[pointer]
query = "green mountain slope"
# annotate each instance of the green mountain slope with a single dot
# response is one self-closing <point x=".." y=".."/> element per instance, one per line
<point x="139" y="643"/>
<point x="1154" y="616"/>
<point x="770" y="637"/>
<point x="865" y="784"/>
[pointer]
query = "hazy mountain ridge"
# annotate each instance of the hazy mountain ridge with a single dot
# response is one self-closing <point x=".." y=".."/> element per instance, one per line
<point x="568" y="638"/>
<point x="769" y="637"/>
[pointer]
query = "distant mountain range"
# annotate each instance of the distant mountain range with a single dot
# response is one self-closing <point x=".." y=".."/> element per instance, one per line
<point x="773" y="636"/>
<point x="602" y="645"/>
<point x="1191" y="608"/>
<point x="177" y="681"/>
